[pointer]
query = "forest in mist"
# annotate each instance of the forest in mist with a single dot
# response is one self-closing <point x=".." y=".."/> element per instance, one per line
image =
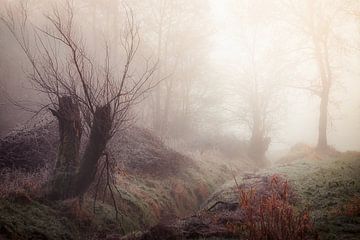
<point x="156" y="110"/>
<point x="209" y="55"/>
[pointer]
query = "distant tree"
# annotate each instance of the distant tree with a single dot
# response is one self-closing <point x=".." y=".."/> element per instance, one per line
<point x="261" y="104"/>
<point x="259" y="83"/>
<point x="177" y="31"/>
<point x="84" y="96"/>
<point x="315" y="22"/>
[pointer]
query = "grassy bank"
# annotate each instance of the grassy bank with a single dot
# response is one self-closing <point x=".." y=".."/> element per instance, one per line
<point x="325" y="185"/>
<point x="143" y="200"/>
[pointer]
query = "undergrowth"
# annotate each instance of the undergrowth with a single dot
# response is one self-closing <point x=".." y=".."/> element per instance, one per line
<point x="18" y="182"/>
<point x="271" y="216"/>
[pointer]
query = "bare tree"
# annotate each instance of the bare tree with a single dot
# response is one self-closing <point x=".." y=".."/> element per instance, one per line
<point x="258" y="85"/>
<point x="261" y="104"/>
<point x="177" y="31"/>
<point x="316" y="20"/>
<point x="84" y="96"/>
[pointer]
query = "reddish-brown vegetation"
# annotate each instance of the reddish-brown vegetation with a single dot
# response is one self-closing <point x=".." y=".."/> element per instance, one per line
<point x="264" y="211"/>
<point x="351" y="208"/>
<point x="271" y="215"/>
<point x="17" y="182"/>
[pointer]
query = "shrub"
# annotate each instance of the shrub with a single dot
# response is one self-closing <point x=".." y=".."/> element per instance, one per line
<point x="270" y="215"/>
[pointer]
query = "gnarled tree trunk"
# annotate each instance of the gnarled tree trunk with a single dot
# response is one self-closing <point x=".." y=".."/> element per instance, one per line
<point x="259" y="143"/>
<point x="257" y="149"/>
<point x="70" y="131"/>
<point x="99" y="136"/>
<point x="72" y="178"/>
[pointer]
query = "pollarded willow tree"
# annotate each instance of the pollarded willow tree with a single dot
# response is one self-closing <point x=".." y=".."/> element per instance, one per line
<point x="84" y="95"/>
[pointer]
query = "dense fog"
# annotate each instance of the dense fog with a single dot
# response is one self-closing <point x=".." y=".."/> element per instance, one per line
<point x="213" y="60"/>
<point x="179" y="119"/>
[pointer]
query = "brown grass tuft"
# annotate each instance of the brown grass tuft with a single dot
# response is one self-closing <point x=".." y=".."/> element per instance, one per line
<point x="350" y="209"/>
<point x="21" y="183"/>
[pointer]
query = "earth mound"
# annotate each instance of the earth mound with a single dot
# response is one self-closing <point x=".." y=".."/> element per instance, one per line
<point x="137" y="149"/>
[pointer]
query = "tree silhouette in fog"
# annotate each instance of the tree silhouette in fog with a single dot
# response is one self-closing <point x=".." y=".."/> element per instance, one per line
<point x="84" y="95"/>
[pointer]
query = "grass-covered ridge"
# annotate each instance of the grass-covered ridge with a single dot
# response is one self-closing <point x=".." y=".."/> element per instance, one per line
<point x="319" y="192"/>
<point x="326" y="185"/>
<point x="155" y="183"/>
